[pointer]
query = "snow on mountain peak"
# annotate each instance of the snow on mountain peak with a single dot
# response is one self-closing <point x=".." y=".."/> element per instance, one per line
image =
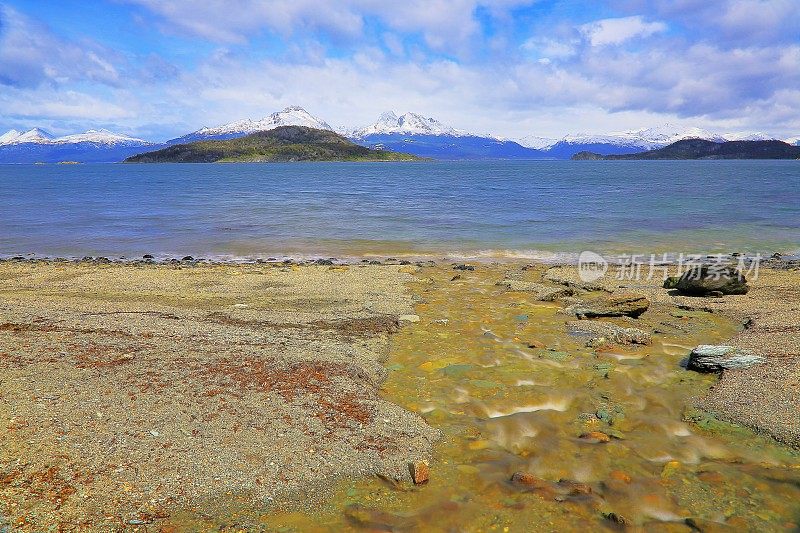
<point x="9" y="136"/>
<point x="39" y="136"/>
<point x="101" y="136"/>
<point x="290" y="116"/>
<point x="406" y="124"/>
<point x="536" y="142"/>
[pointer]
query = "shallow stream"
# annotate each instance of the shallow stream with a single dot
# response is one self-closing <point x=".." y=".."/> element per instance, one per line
<point x="511" y="391"/>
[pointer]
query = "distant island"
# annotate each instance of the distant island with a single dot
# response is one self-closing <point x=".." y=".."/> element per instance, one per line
<point x="282" y="144"/>
<point x="703" y="149"/>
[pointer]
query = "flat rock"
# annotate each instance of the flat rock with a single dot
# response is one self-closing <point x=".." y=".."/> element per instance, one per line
<point x="615" y="304"/>
<point x="600" y="332"/>
<point x="706" y="280"/>
<point x="544" y="293"/>
<point x="715" y="358"/>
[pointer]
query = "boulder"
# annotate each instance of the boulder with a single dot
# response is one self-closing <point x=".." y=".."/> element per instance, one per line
<point x="600" y="332"/>
<point x="543" y="293"/>
<point x="706" y="279"/>
<point x="615" y="304"/>
<point x="714" y="358"/>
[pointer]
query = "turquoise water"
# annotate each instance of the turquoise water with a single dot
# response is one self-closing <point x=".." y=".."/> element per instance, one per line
<point x="487" y="208"/>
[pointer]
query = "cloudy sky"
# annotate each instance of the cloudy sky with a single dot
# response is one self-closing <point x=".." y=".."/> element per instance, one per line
<point x="158" y="69"/>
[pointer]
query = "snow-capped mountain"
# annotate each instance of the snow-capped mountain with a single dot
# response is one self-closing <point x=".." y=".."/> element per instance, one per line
<point x="536" y="142"/>
<point x="291" y="116"/>
<point x="35" y="135"/>
<point x="427" y="137"/>
<point x="795" y="141"/>
<point x="39" y="136"/>
<point x="406" y="124"/>
<point x="37" y="145"/>
<point x="102" y="136"/>
<point x="638" y="140"/>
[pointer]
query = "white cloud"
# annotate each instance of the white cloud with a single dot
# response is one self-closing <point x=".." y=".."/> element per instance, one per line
<point x="444" y="24"/>
<point x="615" y="31"/>
<point x="30" y="54"/>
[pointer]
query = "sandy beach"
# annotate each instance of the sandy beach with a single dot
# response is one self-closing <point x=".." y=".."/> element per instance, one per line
<point x="136" y="395"/>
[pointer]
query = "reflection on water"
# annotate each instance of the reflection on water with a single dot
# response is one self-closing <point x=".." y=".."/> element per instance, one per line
<point x="602" y="437"/>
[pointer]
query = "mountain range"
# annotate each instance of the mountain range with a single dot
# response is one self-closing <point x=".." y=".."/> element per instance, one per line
<point x="411" y="132"/>
<point x="704" y="149"/>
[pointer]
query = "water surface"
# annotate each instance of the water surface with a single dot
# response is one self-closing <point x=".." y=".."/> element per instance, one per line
<point x="522" y="209"/>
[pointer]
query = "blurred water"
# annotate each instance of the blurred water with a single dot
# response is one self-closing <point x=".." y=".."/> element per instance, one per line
<point x="491" y="208"/>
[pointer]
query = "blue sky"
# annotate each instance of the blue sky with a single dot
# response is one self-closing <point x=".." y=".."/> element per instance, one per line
<point x="158" y="69"/>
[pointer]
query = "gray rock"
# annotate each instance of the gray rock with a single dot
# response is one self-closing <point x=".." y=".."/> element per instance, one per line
<point x="706" y="279"/>
<point x="600" y="332"/>
<point x="715" y="358"/>
<point x="544" y="293"/>
<point x="615" y="304"/>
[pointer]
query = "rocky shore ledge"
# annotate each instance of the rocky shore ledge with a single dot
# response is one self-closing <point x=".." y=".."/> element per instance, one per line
<point x="763" y="394"/>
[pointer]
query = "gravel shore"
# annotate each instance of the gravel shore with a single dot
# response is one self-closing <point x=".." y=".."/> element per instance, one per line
<point x="127" y="390"/>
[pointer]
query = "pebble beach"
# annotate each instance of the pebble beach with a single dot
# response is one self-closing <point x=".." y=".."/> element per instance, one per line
<point x="187" y="396"/>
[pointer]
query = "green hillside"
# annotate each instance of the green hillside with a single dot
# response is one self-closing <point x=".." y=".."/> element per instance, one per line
<point x="702" y="149"/>
<point x="286" y="143"/>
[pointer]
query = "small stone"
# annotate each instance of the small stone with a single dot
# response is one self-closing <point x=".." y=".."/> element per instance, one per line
<point x="616" y="518"/>
<point x="619" y="475"/>
<point x="408" y="318"/>
<point x="595" y="436"/>
<point x="187" y="258"/>
<point x="574" y="488"/>
<point x="543" y="293"/>
<point x="463" y="267"/>
<point x="327" y="262"/>
<point x="420" y="472"/>
<point x="147" y="256"/>
<point x="456" y="277"/>
<point x="154" y="433"/>
<point x="714" y="358"/>
<point x="671" y="282"/>
<point x="528" y="480"/>
<point x="600" y="332"/>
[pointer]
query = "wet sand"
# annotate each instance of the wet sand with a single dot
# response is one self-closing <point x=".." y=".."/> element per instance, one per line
<point x="256" y="396"/>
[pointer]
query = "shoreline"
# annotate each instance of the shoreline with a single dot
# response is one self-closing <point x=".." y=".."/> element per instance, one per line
<point x="772" y="260"/>
<point x="165" y="324"/>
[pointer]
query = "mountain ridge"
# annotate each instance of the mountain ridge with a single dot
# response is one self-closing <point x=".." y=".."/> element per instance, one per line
<point x="281" y="144"/>
<point x="413" y="132"/>
<point x="705" y="149"/>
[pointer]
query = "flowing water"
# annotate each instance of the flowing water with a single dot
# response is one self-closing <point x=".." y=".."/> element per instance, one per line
<point x="469" y="368"/>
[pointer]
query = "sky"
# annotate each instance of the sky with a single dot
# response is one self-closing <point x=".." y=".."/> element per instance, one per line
<point x="158" y="69"/>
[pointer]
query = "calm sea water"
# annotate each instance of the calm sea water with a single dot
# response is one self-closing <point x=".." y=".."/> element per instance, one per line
<point x="493" y="208"/>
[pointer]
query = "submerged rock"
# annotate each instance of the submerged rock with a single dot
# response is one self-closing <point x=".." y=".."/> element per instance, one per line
<point x="595" y="436"/>
<point x="544" y="293"/>
<point x="707" y="279"/>
<point x="615" y="304"/>
<point x="714" y="358"/>
<point x="600" y="332"/>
